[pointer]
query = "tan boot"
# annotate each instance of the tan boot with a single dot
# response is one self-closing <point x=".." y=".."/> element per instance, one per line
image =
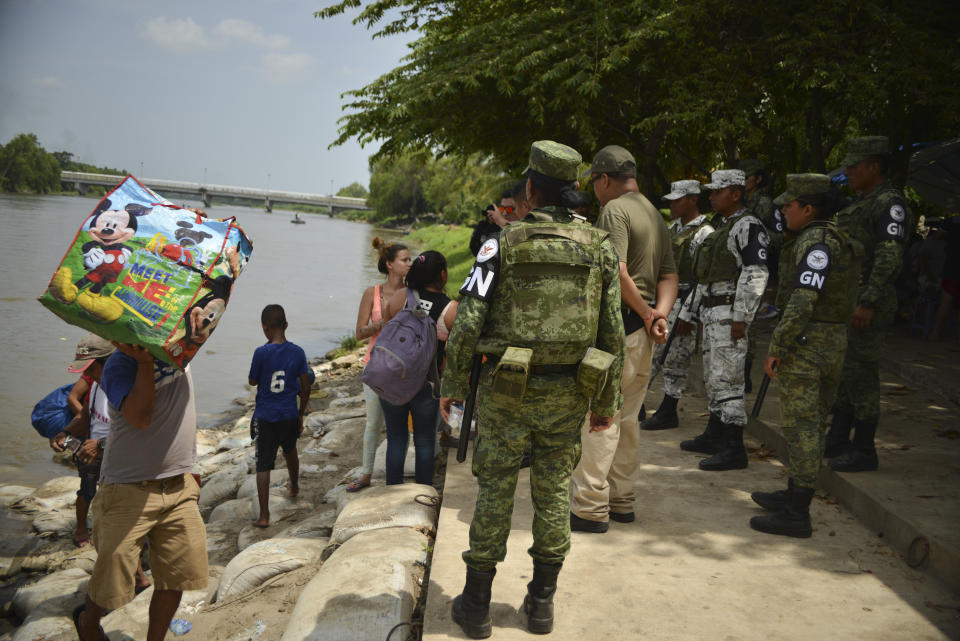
<point x="102" y="307"/>
<point x="62" y="287"/>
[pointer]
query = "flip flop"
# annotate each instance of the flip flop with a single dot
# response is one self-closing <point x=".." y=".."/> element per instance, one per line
<point x="81" y="543"/>
<point x="76" y="623"/>
<point x="356" y="485"/>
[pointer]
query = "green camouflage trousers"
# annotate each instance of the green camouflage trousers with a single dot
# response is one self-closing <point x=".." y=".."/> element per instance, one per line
<point x="808" y="379"/>
<point x="549" y="419"/>
<point x="859" y="392"/>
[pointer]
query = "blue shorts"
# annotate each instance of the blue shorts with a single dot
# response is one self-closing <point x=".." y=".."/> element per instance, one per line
<point x="89" y="477"/>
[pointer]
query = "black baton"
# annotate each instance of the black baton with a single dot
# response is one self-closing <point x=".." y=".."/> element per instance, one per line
<point x="761" y="394"/>
<point x="467" y="421"/>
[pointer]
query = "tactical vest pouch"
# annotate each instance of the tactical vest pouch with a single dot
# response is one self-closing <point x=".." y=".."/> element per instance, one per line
<point x="510" y="376"/>
<point x="592" y="372"/>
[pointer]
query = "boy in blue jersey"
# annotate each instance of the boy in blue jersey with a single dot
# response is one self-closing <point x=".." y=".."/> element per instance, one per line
<point x="279" y="371"/>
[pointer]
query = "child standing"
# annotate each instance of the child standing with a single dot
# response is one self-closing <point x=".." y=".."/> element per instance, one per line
<point x="279" y="371"/>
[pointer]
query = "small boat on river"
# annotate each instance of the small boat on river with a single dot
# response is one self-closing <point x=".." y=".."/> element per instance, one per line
<point x="297" y="220"/>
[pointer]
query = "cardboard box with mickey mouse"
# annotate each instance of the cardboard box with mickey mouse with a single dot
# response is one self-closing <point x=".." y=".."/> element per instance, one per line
<point x="142" y="270"/>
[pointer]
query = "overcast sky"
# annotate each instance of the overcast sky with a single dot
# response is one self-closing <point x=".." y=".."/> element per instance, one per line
<point x="239" y="89"/>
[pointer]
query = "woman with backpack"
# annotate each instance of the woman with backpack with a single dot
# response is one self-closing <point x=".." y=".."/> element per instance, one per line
<point x="427" y="278"/>
<point x="393" y="261"/>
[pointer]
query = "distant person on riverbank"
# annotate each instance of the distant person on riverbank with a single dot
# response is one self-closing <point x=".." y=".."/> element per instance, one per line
<point x="394" y="262"/>
<point x="89" y="428"/>
<point x="147" y="492"/>
<point x="427" y="277"/>
<point x="279" y="372"/>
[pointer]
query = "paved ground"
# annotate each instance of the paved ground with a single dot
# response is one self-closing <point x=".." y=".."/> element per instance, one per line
<point x="691" y="568"/>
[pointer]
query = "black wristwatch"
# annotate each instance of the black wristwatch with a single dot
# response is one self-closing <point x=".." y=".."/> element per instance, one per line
<point x="100" y="444"/>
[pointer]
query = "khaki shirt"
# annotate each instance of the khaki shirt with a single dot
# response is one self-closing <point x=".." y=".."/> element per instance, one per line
<point x="641" y="240"/>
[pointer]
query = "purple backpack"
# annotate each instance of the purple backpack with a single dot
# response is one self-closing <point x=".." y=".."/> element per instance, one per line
<point x="404" y="355"/>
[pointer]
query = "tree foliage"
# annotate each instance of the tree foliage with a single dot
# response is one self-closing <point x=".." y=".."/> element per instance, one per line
<point x="26" y="166"/>
<point x="687" y="86"/>
<point x="412" y="183"/>
<point x="353" y="190"/>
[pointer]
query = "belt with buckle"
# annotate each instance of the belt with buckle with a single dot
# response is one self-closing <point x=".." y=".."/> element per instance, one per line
<point x="716" y="300"/>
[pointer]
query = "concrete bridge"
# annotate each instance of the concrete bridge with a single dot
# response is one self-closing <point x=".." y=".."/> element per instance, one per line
<point x="205" y="192"/>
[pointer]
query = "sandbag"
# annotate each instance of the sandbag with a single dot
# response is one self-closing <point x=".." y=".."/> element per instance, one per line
<point x="142" y="270"/>
<point x="264" y="560"/>
<point x="54" y="586"/>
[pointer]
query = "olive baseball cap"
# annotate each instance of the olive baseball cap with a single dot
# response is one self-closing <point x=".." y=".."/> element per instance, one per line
<point x="90" y="348"/>
<point x="682" y="188"/>
<point x="859" y="149"/>
<point x="613" y="159"/>
<point x="800" y="185"/>
<point x="554" y="159"/>
<point x="750" y="166"/>
<point x="723" y="178"/>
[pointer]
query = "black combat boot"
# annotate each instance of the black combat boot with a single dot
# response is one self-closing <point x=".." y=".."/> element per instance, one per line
<point x="538" y="604"/>
<point x="747" y="383"/>
<point x="471" y="609"/>
<point x="665" y="417"/>
<point x="710" y="442"/>
<point x="642" y="415"/>
<point x="732" y="456"/>
<point x="837" y="441"/>
<point x="862" y="455"/>
<point x="773" y="501"/>
<point x="793" y="520"/>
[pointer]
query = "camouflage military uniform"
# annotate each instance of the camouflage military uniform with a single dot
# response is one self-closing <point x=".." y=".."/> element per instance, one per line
<point x="763" y="208"/>
<point x="818" y="283"/>
<point x="676" y="365"/>
<point x="879" y="222"/>
<point x="729" y="291"/>
<point x="550" y="414"/>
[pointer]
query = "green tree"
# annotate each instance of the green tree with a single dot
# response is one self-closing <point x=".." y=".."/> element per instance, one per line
<point x="687" y="86"/>
<point x="26" y="166"/>
<point x="353" y="190"/>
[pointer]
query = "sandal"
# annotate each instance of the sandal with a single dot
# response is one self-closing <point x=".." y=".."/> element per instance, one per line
<point x="81" y="543"/>
<point x="76" y="623"/>
<point x="356" y="485"/>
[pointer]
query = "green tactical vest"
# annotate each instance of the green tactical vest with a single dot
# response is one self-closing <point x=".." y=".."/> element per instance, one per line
<point x="860" y="220"/>
<point x="838" y="297"/>
<point x="548" y="291"/>
<point x="713" y="261"/>
<point x="681" y="252"/>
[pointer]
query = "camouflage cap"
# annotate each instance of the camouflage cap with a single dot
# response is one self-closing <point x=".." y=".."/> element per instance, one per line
<point x="682" y="188"/>
<point x="723" y="178"/>
<point x="859" y="149"/>
<point x="800" y="185"/>
<point x="750" y="166"/>
<point x="554" y="160"/>
<point x="613" y="159"/>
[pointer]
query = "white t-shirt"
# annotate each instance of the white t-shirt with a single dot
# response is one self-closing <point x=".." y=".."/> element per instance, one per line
<point x="99" y="413"/>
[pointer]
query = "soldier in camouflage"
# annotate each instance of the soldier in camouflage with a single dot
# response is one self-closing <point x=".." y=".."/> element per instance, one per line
<point x="756" y="198"/>
<point x="688" y="229"/>
<point x="879" y="220"/>
<point x="819" y="283"/>
<point x="731" y="269"/>
<point x="539" y="303"/>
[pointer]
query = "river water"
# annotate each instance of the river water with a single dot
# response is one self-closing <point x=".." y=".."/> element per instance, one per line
<point x="317" y="271"/>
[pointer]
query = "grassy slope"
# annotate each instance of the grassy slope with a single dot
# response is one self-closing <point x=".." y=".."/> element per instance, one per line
<point x="453" y="241"/>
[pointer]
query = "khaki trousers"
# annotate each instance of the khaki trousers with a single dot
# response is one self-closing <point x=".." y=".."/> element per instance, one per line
<point x="604" y="479"/>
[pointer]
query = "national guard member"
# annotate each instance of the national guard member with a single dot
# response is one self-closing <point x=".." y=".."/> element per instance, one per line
<point x="542" y="303"/>
<point x="688" y="229"/>
<point x="757" y="179"/>
<point x="879" y="220"/>
<point x="731" y="269"/>
<point x="819" y="282"/>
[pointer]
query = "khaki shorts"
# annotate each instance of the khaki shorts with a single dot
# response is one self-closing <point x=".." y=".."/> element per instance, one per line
<point x="165" y="513"/>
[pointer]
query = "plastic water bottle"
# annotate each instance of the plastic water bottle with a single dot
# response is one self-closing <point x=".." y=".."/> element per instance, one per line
<point x="180" y="626"/>
<point x="456" y="415"/>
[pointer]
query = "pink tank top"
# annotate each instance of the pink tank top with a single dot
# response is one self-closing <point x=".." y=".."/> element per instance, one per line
<point x="375" y="315"/>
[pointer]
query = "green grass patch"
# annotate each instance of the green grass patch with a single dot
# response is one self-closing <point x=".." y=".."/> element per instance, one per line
<point x="453" y="241"/>
<point x="348" y="343"/>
